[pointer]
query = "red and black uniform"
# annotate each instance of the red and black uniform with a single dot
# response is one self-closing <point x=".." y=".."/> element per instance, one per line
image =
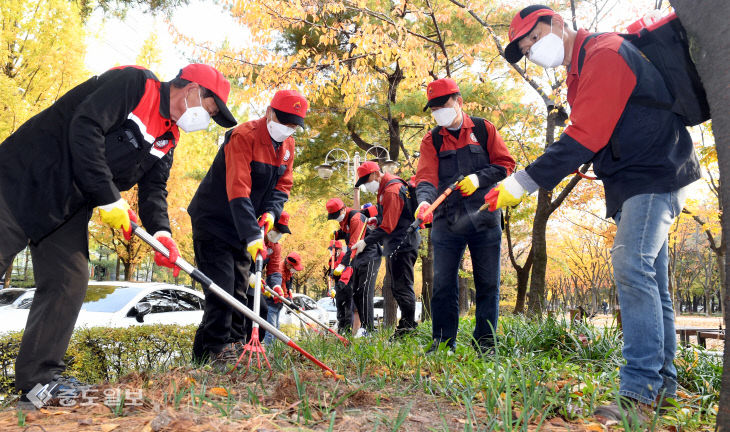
<point x="343" y="293"/>
<point x="365" y="266"/>
<point x="103" y="136"/>
<point x="250" y="175"/>
<point x="458" y="224"/>
<point x="635" y="149"/>
<point x="397" y="211"/>
<point x="460" y="153"/>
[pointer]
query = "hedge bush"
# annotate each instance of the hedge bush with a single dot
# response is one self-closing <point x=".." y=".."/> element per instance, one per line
<point x="104" y="354"/>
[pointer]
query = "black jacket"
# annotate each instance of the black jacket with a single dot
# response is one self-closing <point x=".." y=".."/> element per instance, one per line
<point x="105" y="135"/>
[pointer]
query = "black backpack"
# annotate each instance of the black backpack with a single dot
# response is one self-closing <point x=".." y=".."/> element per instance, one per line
<point x="480" y="131"/>
<point x="411" y="202"/>
<point x="666" y="46"/>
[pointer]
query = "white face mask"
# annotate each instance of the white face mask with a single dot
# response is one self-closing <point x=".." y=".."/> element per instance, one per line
<point x="372" y="186"/>
<point x="279" y="132"/>
<point x="274" y="236"/>
<point x="341" y="217"/>
<point x="444" y="116"/>
<point x="194" y="118"/>
<point x="549" y="51"/>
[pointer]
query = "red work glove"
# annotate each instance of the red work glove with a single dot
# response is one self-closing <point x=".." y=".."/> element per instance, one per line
<point x="266" y="221"/>
<point x="161" y="260"/>
<point x="420" y="214"/>
<point x="372" y="223"/>
<point x="277" y="289"/>
<point x="132" y="217"/>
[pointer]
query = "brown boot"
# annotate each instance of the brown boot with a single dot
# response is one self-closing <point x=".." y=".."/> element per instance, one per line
<point x="635" y="412"/>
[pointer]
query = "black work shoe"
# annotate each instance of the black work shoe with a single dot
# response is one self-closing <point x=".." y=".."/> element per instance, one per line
<point x="483" y="349"/>
<point x="59" y="388"/>
<point x="225" y="359"/>
<point x="635" y="412"/>
<point x="434" y="348"/>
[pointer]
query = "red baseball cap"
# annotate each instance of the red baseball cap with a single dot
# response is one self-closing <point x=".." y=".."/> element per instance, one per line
<point x="439" y="91"/>
<point x="521" y="25"/>
<point x="295" y="260"/>
<point x="334" y="206"/>
<point x="336" y="244"/>
<point x="290" y="107"/>
<point x="364" y="170"/>
<point x="282" y="224"/>
<point x="210" y="78"/>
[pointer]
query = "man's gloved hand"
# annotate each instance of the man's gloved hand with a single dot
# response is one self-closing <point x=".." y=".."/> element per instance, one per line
<point x="421" y="210"/>
<point x="468" y="185"/>
<point x="117" y="215"/>
<point x="277" y="289"/>
<point x="332" y="293"/>
<point x="333" y="235"/>
<point x="339" y="269"/>
<point x="506" y="194"/>
<point x="287" y="293"/>
<point x="265" y="292"/>
<point x="256" y="247"/>
<point x="358" y="247"/>
<point x="165" y="238"/>
<point x="372" y="223"/>
<point x="252" y="280"/>
<point x="266" y="221"/>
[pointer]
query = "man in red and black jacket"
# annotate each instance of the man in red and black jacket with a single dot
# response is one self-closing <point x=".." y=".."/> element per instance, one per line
<point x="644" y="156"/>
<point x="396" y="209"/>
<point x="104" y="136"/>
<point x="365" y="264"/>
<point x="470" y="147"/>
<point x="343" y="301"/>
<point x="243" y="192"/>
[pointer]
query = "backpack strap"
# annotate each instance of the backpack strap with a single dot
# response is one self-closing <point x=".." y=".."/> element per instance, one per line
<point x="582" y="52"/>
<point x="437" y="139"/>
<point x="480" y="131"/>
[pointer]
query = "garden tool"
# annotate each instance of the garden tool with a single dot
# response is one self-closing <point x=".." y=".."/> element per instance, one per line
<point x="292" y="306"/>
<point x="254" y="343"/>
<point x="215" y="289"/>
<point x="416" y="225"/>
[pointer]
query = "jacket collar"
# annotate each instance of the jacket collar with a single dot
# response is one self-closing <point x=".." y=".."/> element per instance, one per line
<point x="165" y="99"/>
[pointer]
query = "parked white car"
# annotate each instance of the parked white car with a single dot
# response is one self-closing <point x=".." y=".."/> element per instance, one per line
<point x="15" y="297"/>
<point x="123" y="304"/>
<point x="307" y="304"/>
<point x="328" y="304"/>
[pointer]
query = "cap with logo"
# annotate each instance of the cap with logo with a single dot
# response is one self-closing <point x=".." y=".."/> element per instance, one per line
<point x="282" y="224"/>
<point x="210" y="78"/>
<point x="439" y="92"/>
<point x="295" y="261"/>
<point x="521" y="25"/>
<point x="364" y="170"/>
<point x="336" y="244"/>
<point x="290" y="107"/>
<point x="334" y="205"/>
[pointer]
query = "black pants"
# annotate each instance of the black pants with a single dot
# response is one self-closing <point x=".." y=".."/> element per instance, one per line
<point x="241" y="326"/>
<point x="228" y="267"/>
<point x="362" y="282"/>
<point x="400" y="269"/>
<point x="60" y="266"/>
<point x="343" y="301"/>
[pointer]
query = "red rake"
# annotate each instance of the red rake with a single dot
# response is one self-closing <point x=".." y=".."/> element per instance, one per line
<point x="254" y="344"/>
<point x="296" y="309"/>
<point x="207" y="283"/>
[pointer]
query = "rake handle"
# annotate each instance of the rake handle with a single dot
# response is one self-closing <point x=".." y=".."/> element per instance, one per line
<point x="208" y="283"/>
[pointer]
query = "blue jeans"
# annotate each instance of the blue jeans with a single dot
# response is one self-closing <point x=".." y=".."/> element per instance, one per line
<point x="640" y="269"/>
<point x="272" y="318"/>
<point x="448" y="249"/>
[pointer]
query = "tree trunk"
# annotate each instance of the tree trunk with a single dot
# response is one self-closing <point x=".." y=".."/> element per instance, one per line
<point x="25" y="267"/>
<point x="390" y="313"/>
<point x="129" y="271"/>
<point x="705" y="22"/>
<point x="116" y="274"/>
<point x="536" y="298"/>
<point x="8" y="274"/>
<point x="523" y="276"/>
<point x="427" y="277"/>
<point x="463" y="294"/>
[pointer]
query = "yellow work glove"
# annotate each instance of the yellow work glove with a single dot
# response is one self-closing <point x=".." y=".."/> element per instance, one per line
<point x="506" y="194"/>
<point x="256" y="248"/>
<point x="339" y="269"/>
<point x="117" y="215"/>
<point x="468" y="185"/>
<point x="266" y="221"/>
